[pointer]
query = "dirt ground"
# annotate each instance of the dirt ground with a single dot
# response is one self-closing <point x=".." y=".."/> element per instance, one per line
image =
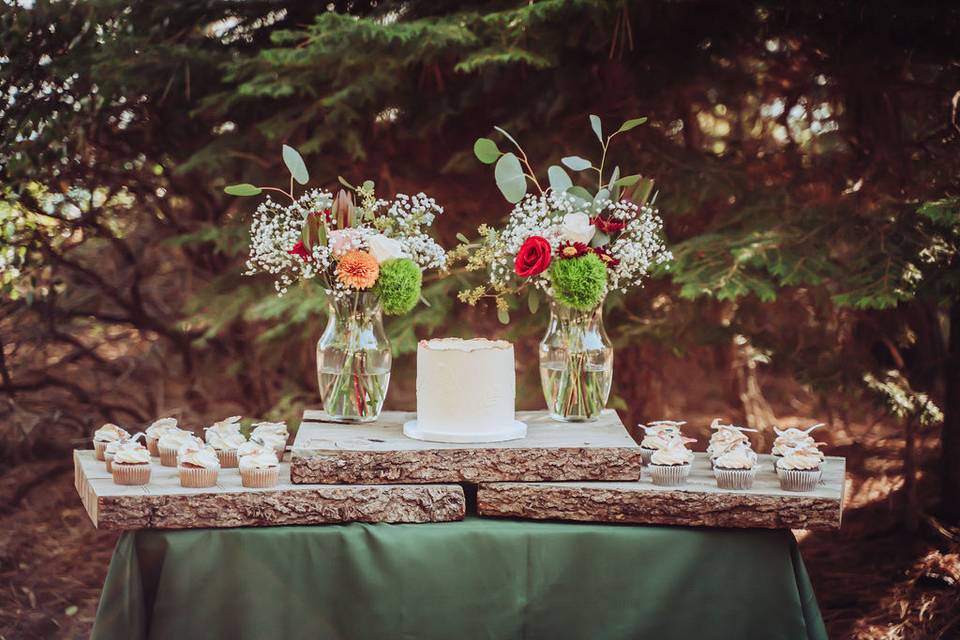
<point x="872" y="580"/>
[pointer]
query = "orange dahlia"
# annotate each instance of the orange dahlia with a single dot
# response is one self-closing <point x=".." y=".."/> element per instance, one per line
<point x="358" y="269"/>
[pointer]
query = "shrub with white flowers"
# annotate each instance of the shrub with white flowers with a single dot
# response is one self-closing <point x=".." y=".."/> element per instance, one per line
<point x="338" y="241"/>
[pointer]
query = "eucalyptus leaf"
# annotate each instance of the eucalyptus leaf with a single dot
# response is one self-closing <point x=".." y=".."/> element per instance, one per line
<point x="642" y="193"/>
<point x="595" y="125"/>
<point x="559" y="179"/>
<point x="510" y="178"/>
<point x="614" y="176"/>
<point x="344" y="182"/>
<point x="631" y="124"/>
<point x="244" y="189"/>
<point x="580" y="192"/>
<point x="486" y="150"/>
<point x="576" y="163"/>
<point x="296" y="165"/>
<point x="533" y="301"/>
<point x="599" y="239"/>
<point x="627" y="181"/>
<point x="508" y="136"/>
<point x="602" y="194"/>
<point x="462" y="238"/>
<point x="503" y="316"/>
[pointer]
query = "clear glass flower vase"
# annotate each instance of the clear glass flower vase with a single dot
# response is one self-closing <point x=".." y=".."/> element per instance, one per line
<point x="353" y="359"/>
<point x="576" y="363"/>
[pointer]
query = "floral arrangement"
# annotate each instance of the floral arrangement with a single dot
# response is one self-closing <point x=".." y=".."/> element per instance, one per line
<point x="368" y="253"/>
<point x="354" y="242"/>
<point x="573" y="244"/>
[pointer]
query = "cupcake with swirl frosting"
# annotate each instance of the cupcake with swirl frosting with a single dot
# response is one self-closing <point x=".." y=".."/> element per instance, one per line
<point x="670" y="465"/>
<point x="724" y="438"/>
<point x="792" y="438"/>
<point x="800" y="469"/>
<point x="260" y="469"/>
<point x="116" y="445"/>
<point x="197" y="466"/>
<point x="157" y="429"/>
<point x="271" y="434"/>
<point x="225" y="438"/>
<point x="131" y="465"/>
<point x="657" y="435"/>
<point x="105" y="435"/>
<point x="735" y="468"/>
<point x="172" y="441"/>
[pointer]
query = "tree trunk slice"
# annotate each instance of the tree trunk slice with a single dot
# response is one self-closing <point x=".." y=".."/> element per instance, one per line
<point x="164" y="504"/>
<point x="375" y="453"/>
<point x="699" y="503"/>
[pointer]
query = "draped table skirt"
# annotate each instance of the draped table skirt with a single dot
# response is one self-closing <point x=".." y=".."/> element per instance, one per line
<point x="480" y="578"/>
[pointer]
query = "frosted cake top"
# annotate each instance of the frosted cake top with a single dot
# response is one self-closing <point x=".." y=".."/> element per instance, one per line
<point x="461" y="344"/>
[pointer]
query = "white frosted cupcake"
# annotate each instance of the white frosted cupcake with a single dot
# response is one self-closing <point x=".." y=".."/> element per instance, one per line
<point x="157" y="429"/>
<point x="260" y="469"/>
<point x="792" y="439"/>
<point x="131" y="465"/>
<point x="172" y="441"/>
<point x="670" y="466"/>
<point x="198" y="466"/>
<point x="724" y="438"/>
<point x="111" y="449"/>
<point x="226" y="446"/>
<point x="736" y="468"/>
<point x="273" y="435"/>
<point x="105" y="435"/>
<point x="799" y="469"/>
<point x="656" y="436"/>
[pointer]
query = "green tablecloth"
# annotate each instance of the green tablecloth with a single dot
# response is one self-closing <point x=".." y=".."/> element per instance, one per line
<point x="497" y="579"/>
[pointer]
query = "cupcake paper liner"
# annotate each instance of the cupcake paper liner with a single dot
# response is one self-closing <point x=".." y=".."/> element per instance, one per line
<point x="152" y="446"/>
<point x="197" y="478"/>
<point x="260" y="478"/>
<point x="669" y="475"/>
<point x="798" y="479"/>
<point x="99" y="448"/>
<point x="734" y="478"/>
<point x="131" y="474"/>
<point x="645" y="455"/>
<point x="228" y="459"/>
<point x="168" y="457"/>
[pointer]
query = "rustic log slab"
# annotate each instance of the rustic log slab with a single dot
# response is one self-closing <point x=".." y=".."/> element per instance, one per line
<point x="164" y="504"/>
<point x="698" y="503"/>
<point x="378" y="452"/>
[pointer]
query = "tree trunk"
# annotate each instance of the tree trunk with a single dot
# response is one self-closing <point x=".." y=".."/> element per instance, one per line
<point x="950" y="440"/>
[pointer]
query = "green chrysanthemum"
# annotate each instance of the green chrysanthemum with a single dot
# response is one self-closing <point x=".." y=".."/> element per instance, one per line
<point x="579" y="282"/>
<point x="399" y="285"/>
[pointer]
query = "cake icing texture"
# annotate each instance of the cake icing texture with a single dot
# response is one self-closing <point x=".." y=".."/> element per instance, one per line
<point x="466" y="391"/>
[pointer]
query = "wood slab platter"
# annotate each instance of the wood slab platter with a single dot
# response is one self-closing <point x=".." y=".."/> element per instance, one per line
<point x="378" y="452"/>
<point x="164" y="504"/>
<point x="698" y="503"/>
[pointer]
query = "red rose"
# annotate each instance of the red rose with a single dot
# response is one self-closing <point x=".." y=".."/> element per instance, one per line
<point x="607" y="225"/>
<point x="606" y="257"/>
<point x="300" y="250"/>
<point x="572" y="250"/>
<point x="533" y="257"/>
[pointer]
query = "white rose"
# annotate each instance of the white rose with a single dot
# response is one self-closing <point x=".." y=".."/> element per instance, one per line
<point x="383" y="248"/>
<point x="576" y="227"/>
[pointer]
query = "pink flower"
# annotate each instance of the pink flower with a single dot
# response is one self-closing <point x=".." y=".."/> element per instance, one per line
<point x="343" y="240"/>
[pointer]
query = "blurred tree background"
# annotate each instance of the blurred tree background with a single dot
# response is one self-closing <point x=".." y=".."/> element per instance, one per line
<point x="807" y="158"/>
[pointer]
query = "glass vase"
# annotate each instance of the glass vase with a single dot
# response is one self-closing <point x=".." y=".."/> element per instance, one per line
<point x="576" y="363"/>
<point x="353" y="359"/>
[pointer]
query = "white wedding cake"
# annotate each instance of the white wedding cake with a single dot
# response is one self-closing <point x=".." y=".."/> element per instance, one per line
<point x="466" y="391"/>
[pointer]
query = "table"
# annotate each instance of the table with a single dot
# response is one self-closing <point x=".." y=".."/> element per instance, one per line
<point x="479" y="578"/>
